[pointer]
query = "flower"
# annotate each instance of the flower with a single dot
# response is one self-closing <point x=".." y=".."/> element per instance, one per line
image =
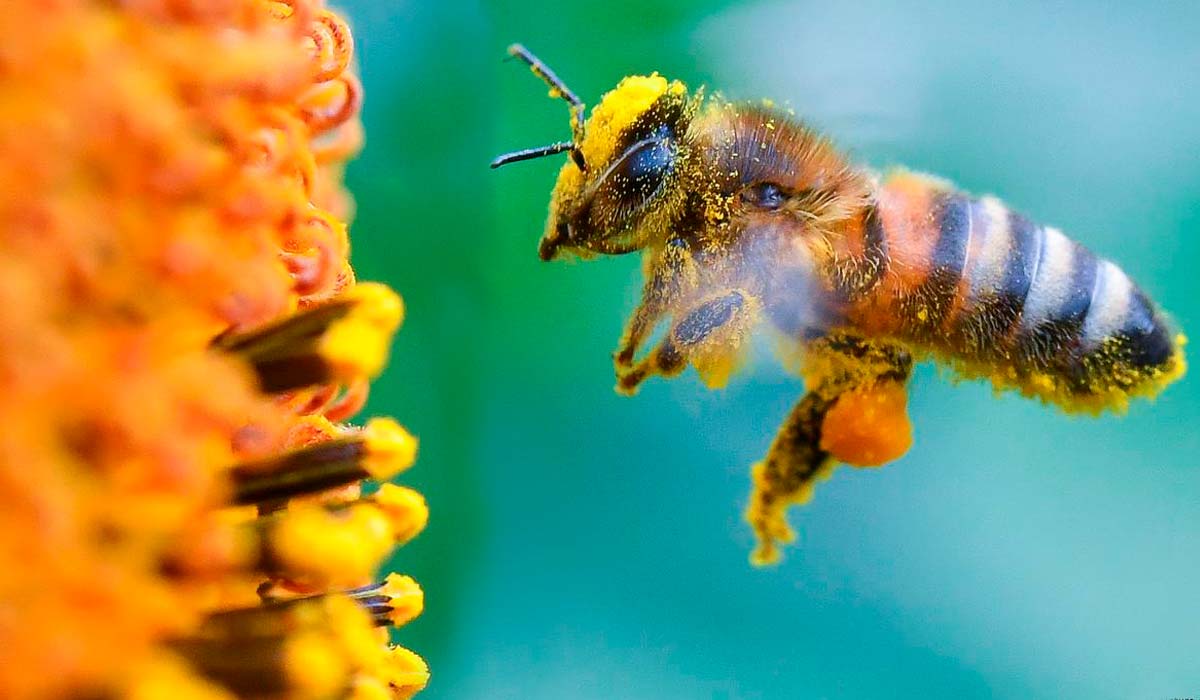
<point x="182" y="507"/>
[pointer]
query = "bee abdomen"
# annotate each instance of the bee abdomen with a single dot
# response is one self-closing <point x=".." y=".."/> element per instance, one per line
<point x="1044" y="307"/>
<point x="1002" y="297"/>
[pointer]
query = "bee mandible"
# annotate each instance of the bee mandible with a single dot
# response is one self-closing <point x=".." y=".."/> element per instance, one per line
<point x="746" y="218"/>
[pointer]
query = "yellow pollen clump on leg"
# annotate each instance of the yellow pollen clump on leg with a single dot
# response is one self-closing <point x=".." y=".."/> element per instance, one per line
<point x="868" y="427"/>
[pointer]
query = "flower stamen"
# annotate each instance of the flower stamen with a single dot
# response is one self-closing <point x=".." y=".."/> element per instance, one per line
<point x="343" y="339"/>
<point x="394" y="602"/>
<point x="307" y="647"/>
<point x="379" y="451"/>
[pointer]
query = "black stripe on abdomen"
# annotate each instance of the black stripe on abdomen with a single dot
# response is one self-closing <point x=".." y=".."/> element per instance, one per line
<point x="1123" y="321"/>
<point x="999" y="280"/>
<point x="926" y="307"/>
<point x="1051" y="329"/>
<point x="1028" y="240"/>
<point x="856" y="277"/>
<point x="1146" y="335"/>
<point x="1126" y="341"/>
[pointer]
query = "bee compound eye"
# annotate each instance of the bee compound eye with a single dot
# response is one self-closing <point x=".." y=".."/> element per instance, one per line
<point x="764" y="195"/>
<point x="646" y="166"/>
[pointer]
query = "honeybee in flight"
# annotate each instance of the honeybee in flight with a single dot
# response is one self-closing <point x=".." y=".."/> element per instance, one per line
<point x="746" y="218"/>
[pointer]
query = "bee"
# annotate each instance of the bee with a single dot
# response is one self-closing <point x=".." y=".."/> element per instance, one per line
<point x="747" y="219"/>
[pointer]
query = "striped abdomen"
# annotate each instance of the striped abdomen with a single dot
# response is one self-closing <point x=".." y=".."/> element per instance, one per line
<point x="1002" y="297"/>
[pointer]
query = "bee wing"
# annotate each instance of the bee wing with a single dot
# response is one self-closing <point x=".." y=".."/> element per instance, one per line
<point x="775" y="260"/>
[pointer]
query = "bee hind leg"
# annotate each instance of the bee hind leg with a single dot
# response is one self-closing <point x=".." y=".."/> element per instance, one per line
<point x="854" y="413"/>
<point x="710" y="335"/>
<point x="787" y="475"/>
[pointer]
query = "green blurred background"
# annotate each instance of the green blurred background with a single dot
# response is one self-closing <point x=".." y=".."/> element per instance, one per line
<point x="585" y="545"/>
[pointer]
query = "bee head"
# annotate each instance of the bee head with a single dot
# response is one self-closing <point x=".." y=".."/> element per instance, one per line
<point x="624" y="159"/>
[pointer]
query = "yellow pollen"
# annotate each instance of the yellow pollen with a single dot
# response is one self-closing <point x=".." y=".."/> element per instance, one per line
<point x="357" y="345"/>
<point x="337" y="549"/>
<point x="378" y="303"/>
<point x="390" y="448"/>
<point x="406" y="673"/>
<point x="407" y="598"/>
<point x="405" y="508"/>
<point x="619" y="108"/>
<point x="868" y="427"/>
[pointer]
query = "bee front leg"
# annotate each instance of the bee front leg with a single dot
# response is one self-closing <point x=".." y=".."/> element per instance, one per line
<point x="670" y="273"/>
<point x="710" y="334"/>
<point x="855" y="413"/>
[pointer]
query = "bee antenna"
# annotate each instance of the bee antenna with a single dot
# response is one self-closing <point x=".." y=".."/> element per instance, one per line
<point x="531" y="153"/>
<point x="557" y="89"/>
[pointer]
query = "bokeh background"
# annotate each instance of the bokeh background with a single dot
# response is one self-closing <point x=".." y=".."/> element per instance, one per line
<point x="585" y="545"/>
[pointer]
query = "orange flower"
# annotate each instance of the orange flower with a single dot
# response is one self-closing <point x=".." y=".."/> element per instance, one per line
<point x="181" y="336"/>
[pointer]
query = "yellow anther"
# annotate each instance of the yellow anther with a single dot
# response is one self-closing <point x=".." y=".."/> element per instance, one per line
<point x="338" y="549"/>
<point x="407" y="600"/>
<point x="405" y="508"/>
<point x="377" y="303"/>
<point x="390" y="448"/>
<point x="357" y="344"/>
<point x="405" y="672"/>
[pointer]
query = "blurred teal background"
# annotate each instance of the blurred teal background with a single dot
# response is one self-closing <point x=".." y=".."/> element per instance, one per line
<point x="585" y="545"/>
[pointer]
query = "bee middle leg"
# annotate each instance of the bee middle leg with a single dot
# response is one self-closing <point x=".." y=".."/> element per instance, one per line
<point x="854" y="412"/>
<point x="710" y="334"/>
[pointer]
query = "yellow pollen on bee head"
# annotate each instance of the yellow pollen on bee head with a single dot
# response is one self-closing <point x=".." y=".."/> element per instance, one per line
<point x="618" y="109"/>
<point x="616" y="112"/>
